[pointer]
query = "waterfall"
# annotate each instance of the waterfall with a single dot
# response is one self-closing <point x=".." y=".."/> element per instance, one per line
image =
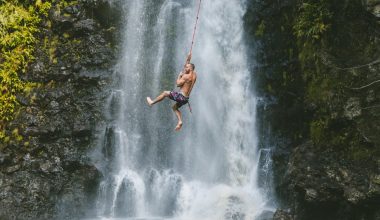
<point x="209" y="170"/>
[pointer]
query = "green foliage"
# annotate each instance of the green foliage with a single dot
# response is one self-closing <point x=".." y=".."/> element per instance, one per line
<point x="311" y="23"/>
<point x="358" y="151"/>
<point x="18" y="25"/>
<point x="260" y="29"/>
<point x="313" y="20"/>
<point x="317" y="129"/>
<point x="319" y="90"/>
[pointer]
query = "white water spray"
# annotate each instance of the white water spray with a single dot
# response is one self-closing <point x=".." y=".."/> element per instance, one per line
<point x="208" y="170"/>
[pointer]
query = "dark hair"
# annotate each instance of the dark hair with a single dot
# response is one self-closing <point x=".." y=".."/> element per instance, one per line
<point x="192" y="66"/>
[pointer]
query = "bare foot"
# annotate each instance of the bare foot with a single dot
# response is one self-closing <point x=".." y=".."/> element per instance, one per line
<point x="179" y="126"/>
<point x="149" y="100"/>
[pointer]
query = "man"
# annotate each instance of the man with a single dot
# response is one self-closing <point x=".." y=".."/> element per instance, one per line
<point x="185" y="82"/>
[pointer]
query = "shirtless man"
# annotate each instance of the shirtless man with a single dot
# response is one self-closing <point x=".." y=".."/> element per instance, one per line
<point x="185" y="82"/>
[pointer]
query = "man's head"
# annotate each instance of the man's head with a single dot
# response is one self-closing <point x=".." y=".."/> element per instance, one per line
<point x="189" y="67"/>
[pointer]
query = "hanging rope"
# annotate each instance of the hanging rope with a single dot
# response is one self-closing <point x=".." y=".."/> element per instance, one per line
<point x="192" y="40"/>
<point x="195" y="26"/>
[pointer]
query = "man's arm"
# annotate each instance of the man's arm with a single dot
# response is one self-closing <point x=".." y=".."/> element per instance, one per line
<point x="180" y="80"/>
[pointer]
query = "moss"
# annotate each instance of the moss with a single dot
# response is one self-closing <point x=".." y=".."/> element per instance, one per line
<point x="66" y="35"/>
<point x="319" y="90"/>
<point x="51" y="48"/>
<point x="317" y="130"/>
<point x="362" y="153"/>
<point x="16" y="136"/>
<point x="269" y="89"/>
<point x="260" y="29"/>
<point x="66" y="3"/>
<point x="18" y="27"/>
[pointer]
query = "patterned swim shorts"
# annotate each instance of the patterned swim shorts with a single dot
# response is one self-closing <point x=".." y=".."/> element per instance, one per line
<point x="179" y="98"/>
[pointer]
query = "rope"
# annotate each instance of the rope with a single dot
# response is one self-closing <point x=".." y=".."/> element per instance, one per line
<point x="195" y="26"/>
<point x="192" y="40"/>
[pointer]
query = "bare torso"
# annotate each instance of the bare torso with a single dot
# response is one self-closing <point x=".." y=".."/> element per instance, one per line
<point x="188" y="83"/>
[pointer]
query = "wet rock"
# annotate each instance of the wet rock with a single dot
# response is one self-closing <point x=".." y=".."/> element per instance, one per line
<point x="74" y="10"/>
<point x="266" y="215"/>
<point x="63" y="22"/>
<point x="374" y="187"/>
<point x="321" y="186"/>
<point x="354" y="195"/>
<point x="326" y="138"/>
<point x="282" y="215"/>
<point x="311" y="194"/>
<point x="54" y="105"/>
<point x="87" y="26"/>
<point x="4" y="158"/>
<point x="371" y="96"/>
<point x="373" y="6"/>
<point x="12" y="168"/>
<point x="45" y="167"/>
<point x="352" y="108"/>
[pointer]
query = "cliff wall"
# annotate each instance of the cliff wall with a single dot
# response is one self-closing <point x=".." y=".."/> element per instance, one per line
<point x="317" y="72"/>
<point x="45" y="172"/>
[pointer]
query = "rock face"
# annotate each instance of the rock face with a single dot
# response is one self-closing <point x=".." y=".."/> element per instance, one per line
<point x="48" y="175"/>
<point x="325" y="186"/>
<point x="373" y="6"/>
<point x="282" y="215"/>
<point x="320" y="104"/>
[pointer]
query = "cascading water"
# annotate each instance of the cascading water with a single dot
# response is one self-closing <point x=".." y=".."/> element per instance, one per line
<point x="208" y="170"/>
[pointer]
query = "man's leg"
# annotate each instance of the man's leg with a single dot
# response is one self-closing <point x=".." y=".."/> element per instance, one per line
<point x="158" y="99"/>
<point x="179" y="116"/>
